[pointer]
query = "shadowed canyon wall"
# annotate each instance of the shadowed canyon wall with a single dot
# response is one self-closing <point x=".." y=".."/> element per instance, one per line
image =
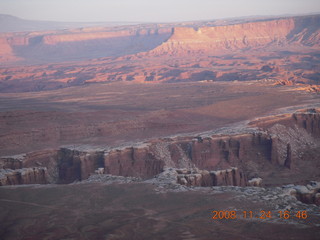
<point x="87" y="45"/>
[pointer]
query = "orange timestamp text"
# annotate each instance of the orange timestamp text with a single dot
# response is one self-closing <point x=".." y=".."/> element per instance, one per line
<point x="262" y="214"/>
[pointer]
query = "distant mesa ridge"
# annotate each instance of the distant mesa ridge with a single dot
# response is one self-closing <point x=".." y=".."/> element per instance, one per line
<point x="283" y="50"/>
<point x="158" y="39"/>
<point x="299" y="30"/>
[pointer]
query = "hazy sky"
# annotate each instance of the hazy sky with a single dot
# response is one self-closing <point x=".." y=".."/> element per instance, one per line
<point x="151" y="10"/>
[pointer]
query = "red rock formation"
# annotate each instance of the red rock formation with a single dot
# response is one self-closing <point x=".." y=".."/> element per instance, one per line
<point x="6" y="51"/>
<point x="136" y="162"/>
<point x="281" y="50"/>
<point x="60" y="46"/>
<point x="102" y="34"/>
<point x="204" y="178"/>
<point x="61" y="166"/>
<point x="23" y="176"/>
<point x="248" y="155"/>
<point x="76" y="165"/>
<point x="248" y="35"/>
<point x="229" y="177"/>
<point x="309" y="120"/>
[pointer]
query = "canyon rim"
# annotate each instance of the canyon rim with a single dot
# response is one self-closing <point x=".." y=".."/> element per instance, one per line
<point x="143" y="131"/>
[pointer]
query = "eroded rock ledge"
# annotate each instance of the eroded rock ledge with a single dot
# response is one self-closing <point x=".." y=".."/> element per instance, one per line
<point x="204" y="178"/>
<point x="285" y="146"/>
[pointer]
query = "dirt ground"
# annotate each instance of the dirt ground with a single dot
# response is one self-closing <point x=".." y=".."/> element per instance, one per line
<point x="137" y="211"/>
<point x="121" y="113"/>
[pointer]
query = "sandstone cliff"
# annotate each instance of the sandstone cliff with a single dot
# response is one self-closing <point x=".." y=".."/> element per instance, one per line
<point x="60" y="46"/>
<point x="34" y="175"/>
<point x="284" y="50"/>
<point x="300" y="30"/>
<point x="204" y="178"/>
<point x="157" y="40"/>
<point x="277" y="149"/>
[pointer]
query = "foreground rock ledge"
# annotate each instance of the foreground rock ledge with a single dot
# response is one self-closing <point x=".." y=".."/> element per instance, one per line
<point x="280" y="150"/>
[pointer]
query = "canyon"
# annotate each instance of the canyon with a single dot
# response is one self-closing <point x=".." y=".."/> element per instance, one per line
<point x="280" y="49"/>
<point x="115" y="127"/>
<point x="279" y="149"/>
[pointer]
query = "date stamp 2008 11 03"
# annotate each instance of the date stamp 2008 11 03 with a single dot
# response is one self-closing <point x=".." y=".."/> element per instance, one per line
<point x="227" y="214"/>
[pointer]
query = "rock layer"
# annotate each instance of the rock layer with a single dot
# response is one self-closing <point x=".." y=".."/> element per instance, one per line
<point x="249" y="155"/>
<point x="204" y="178"/>
<point x="34" y="175"/>
<point x="303" y="30"/>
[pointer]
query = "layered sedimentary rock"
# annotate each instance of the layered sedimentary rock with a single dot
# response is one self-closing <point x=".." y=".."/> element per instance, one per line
<point x="223" y="159"/>
<point x="204" y="178"/>
<point x="284" y="50"/>
<point x="309" y="120"/>
<point x="6" y="51"/>
<point x="11" y="163"/>
<point x="60" y="46"/>
<point x="36" y="175"/>
<point x="169" y="39"/>
<point x="76" y="165"/>
<point x="60" y="166"/>
<point x="302" y="30"/>
<point x="136" y="162"/>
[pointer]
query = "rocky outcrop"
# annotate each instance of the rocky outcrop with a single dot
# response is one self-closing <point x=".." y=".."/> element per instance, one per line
<point x="303" y="30"/>
<point x="76" y="165"/>
<point x="89" y="43"/>
<point x="309" y="194"/>
<point x="221" y="38"/>
<point x="135" y="162"/>
<point x="209" y="153"/>
<point x="204" y="178"/>
<point x="309" y="120"/>
<point x="11" y="163"/>
<point x="6" y="51"/>
<point x="247" y="155"/>
<point x="36" y="175"/>
<point x="290" y="133"/>
<point x="282" y="50"/>
<point x="61" y="166"/>
<point x="102" y="34"/>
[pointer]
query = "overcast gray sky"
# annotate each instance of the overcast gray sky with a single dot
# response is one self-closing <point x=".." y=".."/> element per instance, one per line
<point x="152" y="10"/>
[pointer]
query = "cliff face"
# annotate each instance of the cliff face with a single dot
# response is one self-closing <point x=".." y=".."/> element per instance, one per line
<point x="303" y="30"/>
<point x="6" y="51"/>
<point x="104" y="42"/>
<point x="80" y="45"/>
<point x="75" y="165"/>
<point x="223" y="160"/>
<point x="86" y="36"/>
<point x="217" y="152"/>
<point x="50" y="166"/>
<point x="136" y="162"/>
<point x="23" y="176"/>
<point x="204" y="178"/>
<point x="227" y="37"/>
<point x="284" y="50"/>
<point x="309" y="120"/>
